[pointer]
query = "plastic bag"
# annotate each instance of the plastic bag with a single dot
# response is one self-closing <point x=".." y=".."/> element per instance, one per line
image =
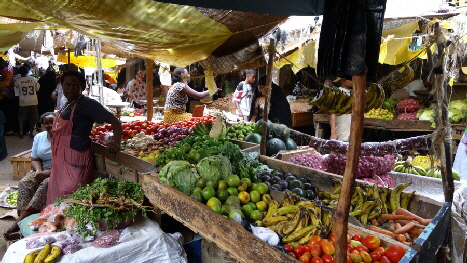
<point x="266" y="234"/>
<point x="108" y="239"/>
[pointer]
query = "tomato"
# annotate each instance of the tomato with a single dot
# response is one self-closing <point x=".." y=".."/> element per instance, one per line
<point x="328" y="247"/>
<point x="362" y="248"/>
<point x="327" y="259"/>
<point x="395" y="252"/>
<point x="375" y="255"/>
<point x="288" y="247"/>
<point x="332" y="237"/>
<point x="148" y="130"/>
<point x="350" y="248"/>
<point x="349" y="237"/>
<point x="138" y="128"/>
<point x="307" y="254"/>
<point x="371" y="241"/>
<point x="304" y="259"/>
<point x="131" y="133"/>
<point x="365" y="257"/>
<point x="144" y="125"/>
<point x="315" y="240"/>
<point x="316" y="250"/>
<point x="307" y="248"/>
<point x="316" y="260"/>
<point x="292" y="254"/>
<point x="137" y="123"/>
<point x="109" y="127"/>
<point x="348" y="260"/>
<point x="356" y="252"/>
<point x="299" y="250"/>
<point x="357" y="237"/>
<point x="384" y="259"/>
<point x="124" y="132"/>
<point x="125" y="126"/>
<point x="381" y="250"/>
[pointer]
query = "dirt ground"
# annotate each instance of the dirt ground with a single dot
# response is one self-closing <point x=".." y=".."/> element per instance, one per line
<point x="15" y="145"/>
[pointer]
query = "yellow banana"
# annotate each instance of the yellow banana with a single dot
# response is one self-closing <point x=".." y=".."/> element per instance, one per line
<point x="274" y="220"/>
<point x="304" y="240"/>
<point x="395" y="199"/>
<point x="285" y="210"/>
<point x="280" y="226"/>
<point x="296" y="235"/>
<point x="54" y="254"/>
<point x="31" y="256"/>
<point x="383" y="197"/>
<point x="272" y="208"/>
<point x="290" y="227"/>
<point x="43" y="254"/>
<point x="406" y="200"/>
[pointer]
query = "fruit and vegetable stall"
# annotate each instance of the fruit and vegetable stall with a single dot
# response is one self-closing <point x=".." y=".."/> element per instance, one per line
<point x="221" y="188"/>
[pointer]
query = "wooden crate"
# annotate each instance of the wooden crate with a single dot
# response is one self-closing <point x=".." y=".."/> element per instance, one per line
<point x="287" y="155"/>
<point x="21" y="164"/>
<point x="302" y="119"/>
<point x="246" y="146"/>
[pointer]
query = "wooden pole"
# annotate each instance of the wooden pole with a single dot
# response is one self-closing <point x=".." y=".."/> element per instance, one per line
<point x="149" y="96"/>
<point x="69" y="58"/>
<point x="267" y="96"/>
<point x="353" y="155"/>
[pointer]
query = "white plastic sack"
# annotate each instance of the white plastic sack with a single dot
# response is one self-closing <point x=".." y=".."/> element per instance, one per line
<point x="142" y="242"/>
<point x="266" y="234"/>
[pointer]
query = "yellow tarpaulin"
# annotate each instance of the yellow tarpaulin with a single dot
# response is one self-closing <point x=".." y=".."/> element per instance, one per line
<point x="175" y="34"/>
<point x="87" y="61"/>
<point x="303" y="57"/>
<point x="11" y="34"/>
<point x="396" y="49"/>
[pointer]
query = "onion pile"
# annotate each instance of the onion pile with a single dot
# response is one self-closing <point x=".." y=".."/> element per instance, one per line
<point x="368" y="166"/>
<point x="172" y="134"/>
<point x="313" y="160"/>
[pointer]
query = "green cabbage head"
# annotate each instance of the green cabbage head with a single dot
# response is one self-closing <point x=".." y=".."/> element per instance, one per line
<point x="181" y="175"/>
<point x="216" y="167"/>
<point x="459" y="105"/>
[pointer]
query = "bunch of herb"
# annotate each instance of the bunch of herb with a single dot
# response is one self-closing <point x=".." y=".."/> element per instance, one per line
<point x="112" y="201"/>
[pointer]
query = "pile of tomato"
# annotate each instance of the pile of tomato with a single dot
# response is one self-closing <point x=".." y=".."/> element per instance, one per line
<point x="130" y="129"/>
<point x="359" y="249"/>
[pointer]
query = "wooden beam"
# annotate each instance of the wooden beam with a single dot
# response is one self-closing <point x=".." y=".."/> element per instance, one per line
<point x="149" y="105"/>
<point x="353" y="155"/>
<point x="69" y="58"/>
<point x="267" y="90"/>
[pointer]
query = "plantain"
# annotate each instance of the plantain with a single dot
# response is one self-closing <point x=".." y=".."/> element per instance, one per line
<point x="315" y="218"/>
<point x="395" y="199"/>
<point x="356" y="213"/>
<point x="54" y="254"/>
<point x="285" y="210"/>
<point x="420" y="170"/>
<point x="377" y="210"/>
<point x="293" y="222"/>
<point x="333" y="203"/>
<point x="296" y="235"/>
<point x="383" y="197"/>
<point x="280" y="226"/>
<point x="304" y="240"/>
<point x="347" y="108"/>
<point x="274" y="220"/>
<point x="287" y="199"/>
<point x="272" y="208"/>
<point x="366" y="209"/>
<point x="43" y="254"/>
<point x="303" y="222"/>
<point x="406" y="200"/>
<point x="31" y="256"/>
<point x="362" y="198"/>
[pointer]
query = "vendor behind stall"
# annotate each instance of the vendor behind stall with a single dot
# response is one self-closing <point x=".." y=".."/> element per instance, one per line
<point x="72" y="156"/>
<point x="340" y="125"/>
<point x="279" y="110"/>
<point x="177" y="97"/>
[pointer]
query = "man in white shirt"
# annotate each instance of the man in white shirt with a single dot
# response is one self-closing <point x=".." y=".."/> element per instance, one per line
<point x="243" y="95"/>
<point x="340" y="125"/>
<point x="26" y="89"/>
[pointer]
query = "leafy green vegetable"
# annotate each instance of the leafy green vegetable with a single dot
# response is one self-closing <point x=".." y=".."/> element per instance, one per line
<point x="455" y="115"/>
<point x="459" y="105"/>
<point x="112" y="201"/>
<point x="426" y="115"/>
<point x="215" y="167"/>
<point x="180" y="175"/>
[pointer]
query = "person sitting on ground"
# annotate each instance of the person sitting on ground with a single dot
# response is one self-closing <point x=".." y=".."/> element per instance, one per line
<point x="32" y="192"/>
<point x="26" y="89"/>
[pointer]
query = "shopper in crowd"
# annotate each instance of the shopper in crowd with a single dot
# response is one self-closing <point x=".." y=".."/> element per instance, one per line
<point x="32" y="189"/>
<point x="48" y="84"/>
<point x="279" y="109"/>
<point x="26" y="89"/>
<point x="243" y="95"/>
<point x="72" y="156"/>
<point x="228" y="85"/>
<point x="177" y="97"/>
<point x="57" y="95"/>
<point x="340" y="125"/>
<point x="137" y="90"/>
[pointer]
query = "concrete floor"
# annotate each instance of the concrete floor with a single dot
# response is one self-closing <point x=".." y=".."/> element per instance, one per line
<point x="15" y="145"/>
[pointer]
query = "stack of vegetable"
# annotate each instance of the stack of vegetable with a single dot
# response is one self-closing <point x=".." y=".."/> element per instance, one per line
<point x="410" y="166"/>
<point x="278" y="137"/>
<point x="407" y="109"/>
<point x="240" y="131"/>
<point x="456" y="114"/>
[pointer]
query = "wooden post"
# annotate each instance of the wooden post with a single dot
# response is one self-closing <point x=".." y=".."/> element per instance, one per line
<point x="69" y="58"/>
<point x="267" y="90"/>
<point x="353" y="155"/>
<point x="149" y="96"/>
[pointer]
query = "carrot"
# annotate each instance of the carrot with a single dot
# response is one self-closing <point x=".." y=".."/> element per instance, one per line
<point x="382" y="231"/>
<point x="374" y="222"/>
<point x="401" y="238"/>
<point x="420" y="226"/>
<point x="416" y="231"/>
<point x="392" y="225"/>
<point x="386" y="217"/>
<point x="405" y="228"/>
<point x="406" y="236"/>
<point x="421" y="220"/>
<point x="407" y="243"/>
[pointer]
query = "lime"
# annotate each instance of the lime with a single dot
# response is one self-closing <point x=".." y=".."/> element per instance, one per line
<point x="262" y="206"/>
<point x="233" y="206"/>
<point x="262" y="188"/>
<point x="254" y="187"/>
<point x="252" y="205"/>
<point x="247" y="181"/>
<point x="222" y="195"/>
<point x="232" y="191"/>
<point x="244" y="197"/>
<point x="208" y="192"/>
<point x="236" y="215"/>
<point x="211" y="183"/>
<point x="256" y="215"/>
<point x="233" y="180"/>
<point x="255" y="196"/>
<point x="198" y="190"/>
<point x="218" y="209"/>
<point x="246" y="209"/>
<point x="201" y="182"/>
<point x="197" y="196"/>
<point x="242" y="186"/>
<point x="232" y="200"/>
<point x="213" y="201"/>
<point x="222" y="184"/>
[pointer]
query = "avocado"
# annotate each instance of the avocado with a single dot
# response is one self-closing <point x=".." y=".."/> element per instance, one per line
<point x="296" y="184"/>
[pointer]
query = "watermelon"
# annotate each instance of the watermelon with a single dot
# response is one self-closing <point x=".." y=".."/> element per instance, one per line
<point x="290" y="144"/>
<point x="259" y="126"/>
<point x="274" y="145"/>
<point x="253" y="137"/>
<point x="280" y="131"/>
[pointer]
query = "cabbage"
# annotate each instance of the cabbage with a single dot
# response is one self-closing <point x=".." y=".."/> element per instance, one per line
<point x="455" y="115"/>
<point x="180" y="175"/>
<point x="426" y="115"/>
<point x="459" y="105"/>
<point x="215" y="167"/>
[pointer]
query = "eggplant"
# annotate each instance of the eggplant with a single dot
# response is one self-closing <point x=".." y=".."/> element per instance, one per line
<point x="275" y="179"/>
<point x="299" y="192"/>
<point x="284" y="184"/>
<point x="290" y="178"/>
<point x="276" y="187"/>
<point x="310" y="194"/>
<point x="268" y="184"/>
<point x="281" y="175"/>
<point x="296" y="184"/>
<point x="287" y="175"/>
<point x="308" y="186"/>
<point x="305" y="180"/>
<point x="266" y="178"/>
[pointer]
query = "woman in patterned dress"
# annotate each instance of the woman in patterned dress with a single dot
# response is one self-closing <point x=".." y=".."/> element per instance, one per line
<point x="177" y="97"/>
<point x="32" y="192"/>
